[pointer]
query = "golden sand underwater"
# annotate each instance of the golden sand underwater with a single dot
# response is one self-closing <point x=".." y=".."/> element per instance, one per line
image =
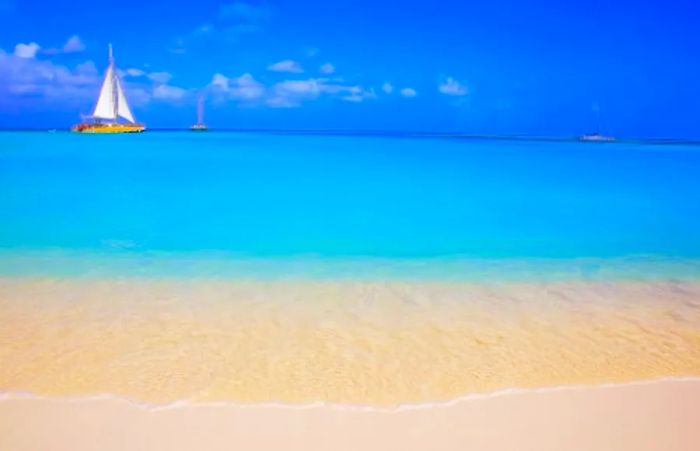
<point x="382" y="343"/>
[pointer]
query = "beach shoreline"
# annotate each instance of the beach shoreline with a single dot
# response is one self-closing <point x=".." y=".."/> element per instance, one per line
<point x="643" y="415"/>
<point x="348" y="365"/>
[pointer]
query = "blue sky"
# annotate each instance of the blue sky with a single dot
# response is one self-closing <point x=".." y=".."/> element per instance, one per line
<point x="537" y="67"/>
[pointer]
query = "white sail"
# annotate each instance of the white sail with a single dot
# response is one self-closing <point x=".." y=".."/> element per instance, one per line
<point x="105" y="107"/>
<point x="123" y="110"/>
<point x="112" y="103"/>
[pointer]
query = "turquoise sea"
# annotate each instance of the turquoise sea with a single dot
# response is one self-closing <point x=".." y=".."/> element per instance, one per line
<point x="227" y="204"/>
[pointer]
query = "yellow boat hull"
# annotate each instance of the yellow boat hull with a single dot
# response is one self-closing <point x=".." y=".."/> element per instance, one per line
<point x="108" y="128"/>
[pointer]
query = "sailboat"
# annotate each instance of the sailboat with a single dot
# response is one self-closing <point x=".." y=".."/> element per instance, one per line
<point x="200" y="126"/>
<point x="597" y="136"/>
<point x="111" y="113"/>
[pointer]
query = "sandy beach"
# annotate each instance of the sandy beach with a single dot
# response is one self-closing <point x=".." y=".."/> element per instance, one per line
<point x="651" y="416"/>
<point x="182" y="364"/>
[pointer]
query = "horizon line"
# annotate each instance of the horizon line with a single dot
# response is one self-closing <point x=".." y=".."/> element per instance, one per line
<point x="406" y="133"/>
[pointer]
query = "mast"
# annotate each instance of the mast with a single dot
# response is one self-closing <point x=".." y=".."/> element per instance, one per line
<point x="200" y="110"/>
<point x="113" y="81"/>
<point x="596" y="106"/>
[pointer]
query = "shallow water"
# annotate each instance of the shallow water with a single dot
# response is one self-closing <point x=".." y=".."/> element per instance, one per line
<point x="370" y="343"/>
<point x="267" y="195"/>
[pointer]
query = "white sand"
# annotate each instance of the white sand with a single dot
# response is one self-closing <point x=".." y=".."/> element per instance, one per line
<point x="659" y="416"/>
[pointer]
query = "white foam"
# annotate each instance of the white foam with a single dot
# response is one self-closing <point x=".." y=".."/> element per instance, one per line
<point x="186" y="404"/>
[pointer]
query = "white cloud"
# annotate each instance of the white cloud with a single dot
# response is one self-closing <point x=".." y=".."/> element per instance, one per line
<point x="134" y="72"/>
<point x="388" y="88"/>
<point x="73" y="45"/>
<point x="23" y="76"/>
<point x="160" y="77"/>
<point x="219" y="81"/>
<point x="244" y="88"/>
<point x="327" y="68"/>
<point x="358" y="95"/>
<point x="408" y="92"/>
<point x="290" y="66"/>
<point x="167" y="92"/>
<point x="292" y="93"/>
<point x="247" y="91"/>
<point x="452" y="87"/>
<point x="87" y="68"/>
<point x="31" y="81"/>
<point x="247" y="87"/>
<point x="27" y="50"/>
<point x="310" y="87"/>
<point x="281" y="102"/>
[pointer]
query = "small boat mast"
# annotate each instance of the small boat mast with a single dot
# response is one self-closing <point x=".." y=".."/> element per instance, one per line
<point x="597" y="136"/>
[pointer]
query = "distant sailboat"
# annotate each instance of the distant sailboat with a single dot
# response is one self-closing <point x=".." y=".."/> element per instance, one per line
<point x="597" y="136"/>
<point x="200" y="126"/>
<point x="112" y="113"/>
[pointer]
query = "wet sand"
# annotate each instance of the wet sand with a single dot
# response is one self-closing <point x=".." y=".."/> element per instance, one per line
<point x="364" y="343"/>
<point x="636" y="417"/>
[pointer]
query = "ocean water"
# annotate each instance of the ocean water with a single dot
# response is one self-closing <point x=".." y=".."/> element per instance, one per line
<point x="347" y="269"/>
<point x="231" y="204"/>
